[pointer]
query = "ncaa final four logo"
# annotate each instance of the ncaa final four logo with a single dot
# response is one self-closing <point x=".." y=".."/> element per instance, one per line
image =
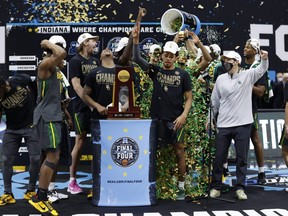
<point x="125" y="151"/>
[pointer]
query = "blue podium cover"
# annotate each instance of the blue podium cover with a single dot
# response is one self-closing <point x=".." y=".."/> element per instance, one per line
<point x="123" y="162"/>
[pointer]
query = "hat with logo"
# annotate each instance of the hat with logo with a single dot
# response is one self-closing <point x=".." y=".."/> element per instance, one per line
<point x="122" y="43"/>
<point x="86" y="36"/>
<point x="154" y="47"/>
<point x="233" y="55"/>
<point x="59" y="40"/>
<point x="171" y="46"/>
<point x="255" y="44"/>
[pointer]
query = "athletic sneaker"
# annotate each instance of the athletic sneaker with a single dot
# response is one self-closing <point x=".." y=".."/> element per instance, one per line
<point x="261" y="178"/>
<point x="214" y="193"/>
<point x="43" y="206"/>
<point x="180" y="194"/>
<point x="90" y="194"/>
<point x="7" y="199"/>
<point x="29" y="194"/>
<point x="240" y="194"/>
<point x="74" y="188"/>
<point x="54" y="196"/>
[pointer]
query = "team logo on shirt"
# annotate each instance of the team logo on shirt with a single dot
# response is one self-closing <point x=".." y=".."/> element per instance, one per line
<point x="125" y="151"/>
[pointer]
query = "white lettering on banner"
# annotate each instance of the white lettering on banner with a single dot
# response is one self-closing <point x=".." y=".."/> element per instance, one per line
<point x="280" y="42"/>
<point x="251" y="212"/>
<point x="264" y="124"/>
<point x="84" y="29"/>
<point x="274" y="212"/>
<point x="201" y="213"/>
<point x="227" y="213"/>
<point x="275" y="132"/>
<point x="178" y="214"/>
<point x="152" y="214"/>
<point x="266" y="212"/>
<point x="53" y="29"/>
<point x="257" y="29"/>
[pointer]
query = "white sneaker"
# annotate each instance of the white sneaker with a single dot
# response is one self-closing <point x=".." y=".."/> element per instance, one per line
<point x="214" y="193"/>
<point x="240" y="194"/>
<point x="54" y="196"/>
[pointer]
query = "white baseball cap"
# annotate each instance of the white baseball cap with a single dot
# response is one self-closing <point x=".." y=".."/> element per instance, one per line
<point x="153" y="47"/>
<point x="122" y="43"/>
<point x="233" y="55"/>
<point x="171" y="46"/>
<point x="255" y="44"/>
<point x="86" y="36"/>
<point x="216" y="49"/>
<point x="59" y="40"/>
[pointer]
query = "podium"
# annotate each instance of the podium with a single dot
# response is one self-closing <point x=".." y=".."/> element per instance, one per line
<point x="124" y="162"/>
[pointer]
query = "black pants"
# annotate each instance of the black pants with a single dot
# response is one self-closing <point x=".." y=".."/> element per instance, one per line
<point x="241" y="136"/>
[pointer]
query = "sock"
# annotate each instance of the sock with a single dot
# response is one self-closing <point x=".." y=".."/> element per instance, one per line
<point x="42" y="194"/>
<point x="72" y="178"/>
<point x="225" y="165"/>
<point x="260" y="169"/>
<point x="181" y="185"/>
<point x="51" y="186"/>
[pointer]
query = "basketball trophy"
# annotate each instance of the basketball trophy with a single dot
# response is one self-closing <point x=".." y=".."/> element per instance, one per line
<point x="123" y="101"/>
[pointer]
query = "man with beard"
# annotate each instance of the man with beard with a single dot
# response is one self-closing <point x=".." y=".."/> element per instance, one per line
<point x="80" y="66"/>
<point x="17" y="100"/>
<point x="171" y="100"/>
<point x="251" y="50"/>
<point x="48" y="120"/>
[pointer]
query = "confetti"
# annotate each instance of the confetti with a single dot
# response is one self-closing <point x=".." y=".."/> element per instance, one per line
<point x="227" y="29"/>
<point x="217" y="5"/>
<point x="237" y="47"/>
<point x="200" y="6"/>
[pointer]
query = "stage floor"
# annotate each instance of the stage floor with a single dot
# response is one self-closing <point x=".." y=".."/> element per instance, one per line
<point x="267" y="200"/>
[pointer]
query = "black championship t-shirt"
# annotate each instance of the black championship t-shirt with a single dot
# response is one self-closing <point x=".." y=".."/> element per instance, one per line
<point x="168" y="94"/>
<point x="19" y="102"/>
<point x="101" y="80"/>
<point x="261" y="81"/>
<point x="80" y="67"/>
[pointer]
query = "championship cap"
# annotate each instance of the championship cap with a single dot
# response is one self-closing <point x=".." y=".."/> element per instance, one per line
<point x="122" y="43"/>
<point x="233" y="55"/>
<point x="170" y="46"/>
<point x="86" y="36"/>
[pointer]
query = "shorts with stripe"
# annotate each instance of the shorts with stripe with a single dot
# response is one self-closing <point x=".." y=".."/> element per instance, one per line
<point x="82" y="122"/>
<point x="49" y="134"/>
<point x="166" y="134"/>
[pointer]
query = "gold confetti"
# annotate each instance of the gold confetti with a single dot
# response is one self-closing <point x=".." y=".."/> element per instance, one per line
<point x="108" y="5"/>
<point x="132" y="0"/>
<point x="114" y="12"/>
<point x="217" y="5"/>
<point x="103" y="17"/>
<point x="130" y="16"/>
<point x="237" y="47"/>
<point x="170" y="5"/>
<point x="200" y="6"/>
